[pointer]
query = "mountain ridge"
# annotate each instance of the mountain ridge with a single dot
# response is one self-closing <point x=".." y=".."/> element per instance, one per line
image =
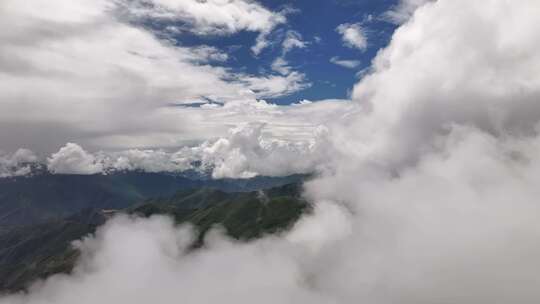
<point x="34" y="252"/>
<point x="45" y="196"/>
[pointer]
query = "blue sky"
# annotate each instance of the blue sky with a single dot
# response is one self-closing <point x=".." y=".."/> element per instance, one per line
<point x="317" y="25"/>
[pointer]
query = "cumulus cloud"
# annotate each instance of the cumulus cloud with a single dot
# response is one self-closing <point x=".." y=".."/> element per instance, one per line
<point x="457" y="227"/>
<point x="72" y="159"/>
<point x="346" y="63"/>
<point x="353" y="35"/>
<point x="148" y="160"/>
<point x="486" y="82"/>
<point x="246" y="152"/>
<point x="439" y="169"/>
<point x="297" y="131"/>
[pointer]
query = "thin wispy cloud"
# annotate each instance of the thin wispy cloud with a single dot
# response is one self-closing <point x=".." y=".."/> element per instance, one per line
<point x="346" y="63"/>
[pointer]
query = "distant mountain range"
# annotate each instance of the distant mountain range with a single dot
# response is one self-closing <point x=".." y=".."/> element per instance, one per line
<point x="42" y="196"/>
<point x="31" y="252"/>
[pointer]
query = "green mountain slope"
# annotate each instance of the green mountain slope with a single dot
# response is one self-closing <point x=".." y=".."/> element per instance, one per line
<point x="37" y="251"/>
<point x="32" y="252"/>
<point x="244" y="215"/>
<point x="44" y="196"/>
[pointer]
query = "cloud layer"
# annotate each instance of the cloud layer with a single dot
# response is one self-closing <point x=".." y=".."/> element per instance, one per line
<point x="428" y="194"/>
<point x="245" y="153"/>
<point x="212" y="16"/>
<point x="70" y="67"/>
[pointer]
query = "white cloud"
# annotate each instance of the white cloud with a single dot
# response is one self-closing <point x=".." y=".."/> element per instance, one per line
<point x="459" y="219"/>
<point x="261" y="42"/>
<point x="247" y="153"/>
<point x="264" y="139"/>
<point x="346" y="63"/>
<point x="404" y="242"/>
<point x="16" y="164"/>
<point x="353" y="35"/>
<point x="281" y="66"/>
<point x="163" y="271"/>
<point x="70" y="67"/>
<point x="440" y="169"/>
<point x="211" y="16"/>
<point x="149" y="160"/>
<point x="275" y="86"/>
<point x="293" y="40"/>
<point x="209" y="53"/>
<point x="434" y="177"/>
<point x="404" y="10"/>
<point x="276" y="142"/>
<point x="472" y="79"/>
<point x="72" y="159"/>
